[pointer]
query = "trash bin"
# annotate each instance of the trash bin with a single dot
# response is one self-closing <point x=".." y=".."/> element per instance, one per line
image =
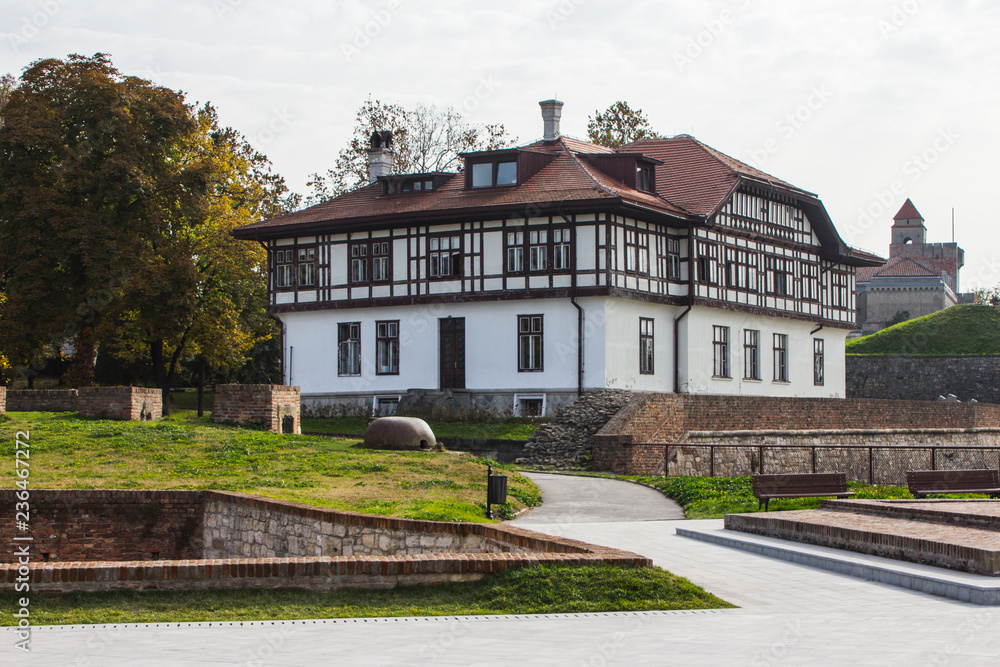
<point x="497" y="490"/>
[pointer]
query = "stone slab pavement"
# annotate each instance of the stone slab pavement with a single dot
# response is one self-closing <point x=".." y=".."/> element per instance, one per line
<point x="789" y="615"/>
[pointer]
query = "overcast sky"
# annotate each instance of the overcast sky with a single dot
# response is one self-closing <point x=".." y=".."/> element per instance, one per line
<point x="863" y="102"/>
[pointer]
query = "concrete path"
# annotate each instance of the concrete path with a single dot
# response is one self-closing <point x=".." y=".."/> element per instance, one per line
<point x="568" y="499"/>
<point x="789" y="615"/>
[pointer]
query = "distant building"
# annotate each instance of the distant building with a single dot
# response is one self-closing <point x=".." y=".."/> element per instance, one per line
<point x="920" y="278"/>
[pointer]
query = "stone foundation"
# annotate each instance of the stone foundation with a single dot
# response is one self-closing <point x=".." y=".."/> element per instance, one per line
<point x="274" y="407"/>
<point x="42" y="400"/>
<point x="121" y="403"/>
<point x="246" y="541"/>
<point x="924" y="377"/>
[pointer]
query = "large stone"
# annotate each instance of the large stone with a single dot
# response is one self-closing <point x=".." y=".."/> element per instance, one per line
<point x="400" y="433"/>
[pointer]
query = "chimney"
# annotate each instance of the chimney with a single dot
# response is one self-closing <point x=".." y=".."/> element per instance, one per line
<point x="551" y="113"/>
<point x="379" y="155"/>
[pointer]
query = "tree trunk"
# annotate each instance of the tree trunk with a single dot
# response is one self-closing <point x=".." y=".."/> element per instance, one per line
<point x="159" y="375"/>
<point x="201" y="389"/>
<point x="81" y="370"/>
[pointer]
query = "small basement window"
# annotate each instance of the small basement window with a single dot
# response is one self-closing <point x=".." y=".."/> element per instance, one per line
<point x="526" y="405"/>
<point x="384" y="406"/>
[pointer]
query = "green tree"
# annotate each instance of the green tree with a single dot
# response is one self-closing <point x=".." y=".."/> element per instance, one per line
<point x="139" y="257"/>
<point x="618" y="125"/>
<point x="7" y="83"/>
<point x="88" y="167"/>
<point x="424" y="140"/>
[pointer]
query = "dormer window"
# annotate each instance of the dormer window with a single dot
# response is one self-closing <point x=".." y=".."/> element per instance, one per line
<point x="406" y="183"/>
<point x="644" y="178"/>
<point x="491" y="174"/>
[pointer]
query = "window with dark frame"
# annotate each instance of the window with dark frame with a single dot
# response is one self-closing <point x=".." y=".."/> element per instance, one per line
<point x="529" y="343"/>
<point x="349" y="348"/>
<point x="387" y="348"/>
<point x="538" y="246"/>
<point x="720" y="348"/>
<point x="536" y="250"/>
<point x="674" y="259"/>
<point x="370" y="261"/>
<point x="444" y="256"/>
<point x="781" y="357"/>
<point x="708" y="259"/>
<point x="284" y="268"/>
<point x="751" y="354"/>
<point x="494" y="173"/>
<point x="819" y="362"/>
<point x="515" y="252"/>
<point x="560" y="249"/>
<point x="636" y="251"/>
<point x="779" y="276"/>
<point x="644" y="179"/>
<point x="307" y="267"/>
<point x="645" y="346"/>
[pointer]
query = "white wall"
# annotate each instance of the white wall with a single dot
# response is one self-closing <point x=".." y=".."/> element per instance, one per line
<point x="697" y="347"/>
<point x="622" y="345"/>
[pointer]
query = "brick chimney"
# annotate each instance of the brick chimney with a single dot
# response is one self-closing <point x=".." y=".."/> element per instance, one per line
<point x="551" y="113"/>
<point x="380" y="155"/>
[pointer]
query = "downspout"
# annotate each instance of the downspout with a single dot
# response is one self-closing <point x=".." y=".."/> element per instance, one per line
<point x="816" y="329"/>
<point x="579" y="311"/>
<point x="677" y="320"/>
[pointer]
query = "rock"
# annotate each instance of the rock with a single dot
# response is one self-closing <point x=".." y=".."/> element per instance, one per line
<point x="400" y="433"/>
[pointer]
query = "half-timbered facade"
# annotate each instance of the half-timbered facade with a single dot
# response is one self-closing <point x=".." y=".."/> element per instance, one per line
<point x="542" y="271"/>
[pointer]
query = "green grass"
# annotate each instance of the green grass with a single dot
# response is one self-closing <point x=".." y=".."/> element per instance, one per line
<point x="714" y="497"/>
<point x="443" y="430"/>
<point x="185" y="452"/>
<point x="537" y="590"/>
<point x="969" y="329"/>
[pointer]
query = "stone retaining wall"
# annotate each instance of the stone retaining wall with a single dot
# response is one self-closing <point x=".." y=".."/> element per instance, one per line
<point x="924" y="377"/>
<point x="384" y="552"/>
<point x="121" y="403"/>
<point x="263" y="405"/>
<point x="42" y="400"/>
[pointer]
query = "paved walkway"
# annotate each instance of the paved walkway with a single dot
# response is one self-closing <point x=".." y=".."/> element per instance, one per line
<point x="790" y="615"/>
<point x="568" y="499"/>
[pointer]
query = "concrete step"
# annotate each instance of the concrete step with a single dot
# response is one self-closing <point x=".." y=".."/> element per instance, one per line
<point x="954" y="547"/>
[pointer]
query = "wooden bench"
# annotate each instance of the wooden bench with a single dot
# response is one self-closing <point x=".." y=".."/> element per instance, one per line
<point x="922" y="482"/>
<point x="800" y="485"/>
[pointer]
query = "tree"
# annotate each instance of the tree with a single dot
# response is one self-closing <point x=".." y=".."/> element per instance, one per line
<point x="619" y="125"/>
<point x="175" y="285"/>
<point x="7" y="83"/>
<point x="89" y="173"/>
<point x="424" y="140"/>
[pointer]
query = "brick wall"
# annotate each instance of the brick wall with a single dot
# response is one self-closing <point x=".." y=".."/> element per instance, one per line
<point x="258" y="404"/>
<point x="42" y="400"/>
<point x="924" y="377"/>
<point x="122" y="403"/>
<point x="414" y="551"/>
<point x="789" y="426"/>
<point x="107" y="525"/>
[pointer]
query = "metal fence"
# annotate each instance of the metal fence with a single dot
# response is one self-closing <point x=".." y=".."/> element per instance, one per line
<point x="873" y="464"/>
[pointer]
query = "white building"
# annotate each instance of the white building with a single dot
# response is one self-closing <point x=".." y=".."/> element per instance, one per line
<point x="546" y="270"/>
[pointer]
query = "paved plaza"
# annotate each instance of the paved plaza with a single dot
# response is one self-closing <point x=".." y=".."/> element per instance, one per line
<point x="789" y="614"/>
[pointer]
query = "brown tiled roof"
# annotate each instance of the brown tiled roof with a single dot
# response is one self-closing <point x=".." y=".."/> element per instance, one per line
<point x="698" y="177"/>
<point x="904" y="267"/>
<point x="908" y="211"/>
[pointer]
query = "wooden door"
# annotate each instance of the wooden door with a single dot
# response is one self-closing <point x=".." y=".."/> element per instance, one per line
<point x="452" y="352"/>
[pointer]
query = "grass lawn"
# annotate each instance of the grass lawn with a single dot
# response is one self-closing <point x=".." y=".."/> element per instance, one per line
<point x="713" y="497"/>
<point x="511" y="430"/>
<point x="185" y="452"/>
<point x="966" y="329"/>
<point x="537" y="590"/>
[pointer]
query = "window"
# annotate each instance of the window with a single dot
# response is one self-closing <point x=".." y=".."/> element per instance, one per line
<point x="674" y="259"/>
<point x="537" y="247"/>
<point x="560" y="249"/>
<point x="779" y="278"/>
<point x="720" y="346"/>
<point x="489" y="174"/>
<point x="636" y="251"/>
<point x="307" y="266"/>
<point x="644" y="179"/>
<point x="387" y="348"/>
<point x="385" y="406"/>
<point x="370" y="261"/>
<point x="741" y="269"/>
<point x="444" y="257"/>
<point x="781" y="357"/>
<point x="810" y="281"/>
<point x="529" y="406"/>
<point x="751" y="354"/>
<point x="818" y="361"/>
<point x="529" y="342"/>
<point x="515" y="252"/>
<point x="284" y="270"/>
<point x="349" y="348"/>
<point x="708" y="259"/>
<point x="645" y="345"/>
